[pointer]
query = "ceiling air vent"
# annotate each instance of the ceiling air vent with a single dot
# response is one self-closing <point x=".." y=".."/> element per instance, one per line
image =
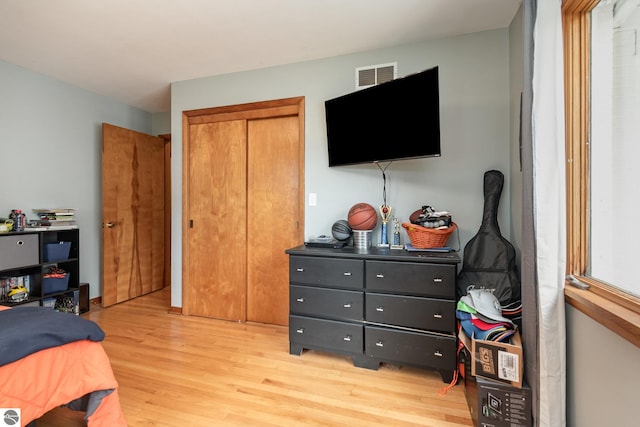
<point x="372" y="75"/>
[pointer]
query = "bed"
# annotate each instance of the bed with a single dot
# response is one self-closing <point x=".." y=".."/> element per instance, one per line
<point x="50" y="359"/>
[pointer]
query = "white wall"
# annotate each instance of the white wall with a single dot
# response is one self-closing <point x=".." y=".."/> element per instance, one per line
<point x="51" y="141"/>
<point x="475" y="102"/>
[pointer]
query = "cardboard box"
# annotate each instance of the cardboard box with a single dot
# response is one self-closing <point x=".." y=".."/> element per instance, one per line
<point x="498" y="361"/>
<point x="495" y="404"/>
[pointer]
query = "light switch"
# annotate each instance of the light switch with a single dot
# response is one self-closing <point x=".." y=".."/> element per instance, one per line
<point x="313" y="199"/>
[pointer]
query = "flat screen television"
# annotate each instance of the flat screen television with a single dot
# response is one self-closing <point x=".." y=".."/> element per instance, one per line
<point x="396" y="120"/>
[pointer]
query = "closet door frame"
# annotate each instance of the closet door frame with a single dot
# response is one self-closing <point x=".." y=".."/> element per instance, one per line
<point x="256" y="110"/>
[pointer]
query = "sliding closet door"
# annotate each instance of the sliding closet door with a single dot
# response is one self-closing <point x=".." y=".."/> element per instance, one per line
<point x="273" y="207"/>
<point x="217" y="206"/>
<point x="243" y="176"/>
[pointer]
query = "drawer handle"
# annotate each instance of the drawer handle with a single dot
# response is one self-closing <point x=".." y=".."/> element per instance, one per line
<point x="300" y="330"/>
<point x="381" y="309"/>
<point x="299" y="269"/>
<point x="438" y="316"/>
<point x="437" y="279"/>
<point x="347" y="338"/>
<point x="20" y="242"/>
<point x="437" y="353"/>
<point x="346" y="273"/>
<point x="380" y="276"/>
<point x="379" y="344"/>
<point x="347" y="305"/>
<point x="300" y="299"/>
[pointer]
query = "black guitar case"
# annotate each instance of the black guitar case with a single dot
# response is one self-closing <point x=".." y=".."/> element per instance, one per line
<point x="489" y="259"/>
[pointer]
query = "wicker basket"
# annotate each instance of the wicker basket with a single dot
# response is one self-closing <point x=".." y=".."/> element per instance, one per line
<point x="423" y="237"/>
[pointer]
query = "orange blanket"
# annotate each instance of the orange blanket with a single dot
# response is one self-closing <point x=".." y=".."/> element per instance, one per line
<point x="56" y="376"/>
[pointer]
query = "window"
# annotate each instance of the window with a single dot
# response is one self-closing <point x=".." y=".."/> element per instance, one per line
<point x="615" y="131"/>
<point x="602" y="78"/>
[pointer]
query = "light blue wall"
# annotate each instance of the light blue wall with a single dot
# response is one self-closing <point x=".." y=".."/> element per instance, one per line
<point x="475" y="102"/>
<point x="516" y="85"/>
<point x="161" y="123"/>
<point x="50" y="136"/>
<point x="603" y="373"/>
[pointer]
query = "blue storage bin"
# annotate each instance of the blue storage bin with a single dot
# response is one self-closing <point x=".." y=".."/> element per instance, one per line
<point x="52" y="285"/>
<point x="56" y="251"/>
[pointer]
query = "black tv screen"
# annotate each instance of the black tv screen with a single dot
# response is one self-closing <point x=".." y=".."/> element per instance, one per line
<point x="399" y="119"/>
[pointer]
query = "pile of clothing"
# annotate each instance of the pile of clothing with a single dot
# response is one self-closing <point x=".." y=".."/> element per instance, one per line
<point x="481" y="317"/>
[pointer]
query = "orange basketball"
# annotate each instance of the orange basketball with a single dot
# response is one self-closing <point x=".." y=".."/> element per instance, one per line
<point x="362" y="216"/>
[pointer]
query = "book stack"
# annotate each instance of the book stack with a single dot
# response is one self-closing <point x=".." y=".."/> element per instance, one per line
<point x="58" y="218"/>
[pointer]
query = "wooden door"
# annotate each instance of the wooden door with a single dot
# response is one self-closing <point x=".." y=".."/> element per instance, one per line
<point x="133" y="213"/>
<point x="273" y="206"/>
<point x="217" y="217"/>
<point x="243" y="191"/>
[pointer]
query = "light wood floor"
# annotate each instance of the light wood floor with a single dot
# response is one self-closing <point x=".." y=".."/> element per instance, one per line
<point x="178" y="370"/>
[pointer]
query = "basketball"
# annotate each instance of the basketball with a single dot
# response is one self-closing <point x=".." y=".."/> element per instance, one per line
<point x="362" y="216"/>
<point x="341" y="230"/>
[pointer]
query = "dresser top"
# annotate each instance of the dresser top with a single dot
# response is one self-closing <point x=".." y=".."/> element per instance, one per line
<point x="377" y="253"/>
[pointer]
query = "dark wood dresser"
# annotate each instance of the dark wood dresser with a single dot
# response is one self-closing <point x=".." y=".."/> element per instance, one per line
<point x="375" y="305"/>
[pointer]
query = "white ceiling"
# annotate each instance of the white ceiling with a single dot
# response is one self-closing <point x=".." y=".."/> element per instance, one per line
<point x="131" y="50"/>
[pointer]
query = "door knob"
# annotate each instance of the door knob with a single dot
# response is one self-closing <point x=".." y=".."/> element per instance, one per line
<point x="109" y="225"/>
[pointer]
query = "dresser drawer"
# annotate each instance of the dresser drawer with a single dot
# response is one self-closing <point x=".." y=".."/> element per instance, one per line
<point x="341" y="273"/>
<point x="436" y="280"/>
<point x="412" y="348"/>
<point x="19" y="250"/>
<point x="326" y="302"/>
<point x="411" y="312"/>
<point x="331" y="335"/>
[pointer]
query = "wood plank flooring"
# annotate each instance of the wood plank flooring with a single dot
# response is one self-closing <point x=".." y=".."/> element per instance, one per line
<point x="176" y="370"/>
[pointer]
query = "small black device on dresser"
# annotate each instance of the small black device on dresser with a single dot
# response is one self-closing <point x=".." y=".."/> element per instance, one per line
<point x="325" y="242"/>
<point x="375" y="305"/>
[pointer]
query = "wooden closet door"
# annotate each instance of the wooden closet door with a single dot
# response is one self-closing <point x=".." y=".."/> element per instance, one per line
<point x="272" y="215"/>
<point x="243" y="186"/>
<point x="217" y="207"/>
